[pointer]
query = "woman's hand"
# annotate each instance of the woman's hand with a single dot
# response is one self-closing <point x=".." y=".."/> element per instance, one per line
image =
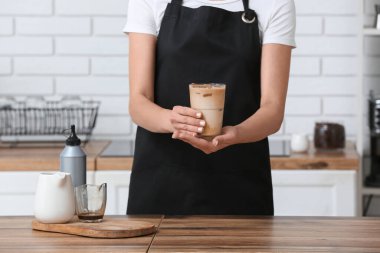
<point x="227" y="138"/>
<point x="186" y="120"/>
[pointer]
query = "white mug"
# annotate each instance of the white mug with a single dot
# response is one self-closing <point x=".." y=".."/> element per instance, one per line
<point x="54" y="200"/>
<point x="299" y="143"/>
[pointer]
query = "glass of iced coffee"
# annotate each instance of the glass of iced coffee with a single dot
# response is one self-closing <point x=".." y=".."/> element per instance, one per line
<point x="209" y="100"/>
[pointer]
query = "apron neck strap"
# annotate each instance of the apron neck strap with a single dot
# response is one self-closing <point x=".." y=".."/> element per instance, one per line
<point x="179" y="2"/>
<point x="250" y="14"/>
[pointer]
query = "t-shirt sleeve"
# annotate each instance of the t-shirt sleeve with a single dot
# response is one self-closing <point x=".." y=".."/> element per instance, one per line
<point x="140" y="18"/>
<point x="281" y="24"/>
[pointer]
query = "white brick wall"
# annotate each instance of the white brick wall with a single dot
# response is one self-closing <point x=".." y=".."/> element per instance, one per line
<point x="92" y="85"/>
<point x="91" y="7"/>
<point x="326" y="7"/>
<point x="76" y="47"/>
<point x="26" y="45"/>
<point x="53" y="26"/>
<point x="305" y="66"/>
<point x="26" y="85"/>
<point x="26" y="7"/>
<point x="51" y="65"/>
<point x="341" y="25"/>
<point x="323" y="83"/>
<point x="108" y="25"/>
<point x="109" y="65"/>
<point x="92" y="46"/>
<point x="6" y="26"/>
<point x="5" y="66"/>
<point x="303" y="106"/>
<point x="309" y="25"/>
<point x="340" y="66"/>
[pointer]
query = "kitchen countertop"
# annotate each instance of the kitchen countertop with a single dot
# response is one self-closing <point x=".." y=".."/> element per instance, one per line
<point x="36" y="157"/>
<point x="47" y="158"/>
<point x="208" y="234"/>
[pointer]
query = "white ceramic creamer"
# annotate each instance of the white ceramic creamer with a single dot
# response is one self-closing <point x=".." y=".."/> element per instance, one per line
<point x="54" y="200"/>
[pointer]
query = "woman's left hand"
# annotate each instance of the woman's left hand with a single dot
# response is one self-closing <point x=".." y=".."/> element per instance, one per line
<point x="227" y="138"/>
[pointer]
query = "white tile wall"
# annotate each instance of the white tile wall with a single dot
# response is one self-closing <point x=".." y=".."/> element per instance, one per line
<point x="323" y="83"/>
<point x="29" y="7"/>
<point x="16" y="85"/>
<point x="309" y="25"/>
<point x="51" y="65"/>
<point x="326" y="7"/>
<point x="339" y="105"/>
<point x="53" y="26"/>
<point x="5" y="66"/>
<point x="109" y="65"/>
<point x="92" y="85"/>
<point x="322" y="86"/>
<point x="18" y="45"/>
<point x="339" y="66"/>
<point x="295" y="106"/>
<point x="305" y="66"/>
<point x="60" y="47"/>
<point x="108" y="25"/>
<point x="341" y="25"/>
<point x="91" y="7"/>
<point x="326" y="45"/>
<point x="92" y="46"/>
<point x="6" y="26"/>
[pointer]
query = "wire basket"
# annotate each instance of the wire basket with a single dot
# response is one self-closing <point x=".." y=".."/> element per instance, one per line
<point x="39" y="117"/>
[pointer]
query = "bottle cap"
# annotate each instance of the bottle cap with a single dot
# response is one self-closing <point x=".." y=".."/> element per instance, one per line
<point x="73" y="139"/>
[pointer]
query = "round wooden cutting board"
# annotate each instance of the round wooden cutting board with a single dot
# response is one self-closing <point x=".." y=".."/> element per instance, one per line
<point x="108" y="228"/>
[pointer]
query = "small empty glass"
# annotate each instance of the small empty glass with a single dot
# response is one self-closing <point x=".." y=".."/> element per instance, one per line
<point x="91" y="202"/>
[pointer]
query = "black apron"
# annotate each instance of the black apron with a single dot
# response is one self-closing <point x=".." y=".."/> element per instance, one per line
<point x="204" y="45"/>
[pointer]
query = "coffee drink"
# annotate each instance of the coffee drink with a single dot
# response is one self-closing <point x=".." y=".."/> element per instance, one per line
<point x="209" y="100"/>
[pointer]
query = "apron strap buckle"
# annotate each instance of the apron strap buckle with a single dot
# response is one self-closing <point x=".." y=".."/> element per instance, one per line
<point x="248" y="15"/>
<point x="247" y="19"/>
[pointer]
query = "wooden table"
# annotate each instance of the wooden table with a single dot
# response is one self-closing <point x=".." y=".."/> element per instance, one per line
<point x="209" y="234"/>
<point x="16" y="235"/>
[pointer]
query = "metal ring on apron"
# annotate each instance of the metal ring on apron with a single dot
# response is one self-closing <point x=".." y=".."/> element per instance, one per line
<point x="245" y="20"/>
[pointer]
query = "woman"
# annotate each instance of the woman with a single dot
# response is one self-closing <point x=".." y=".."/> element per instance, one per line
<point x="174" y="43"/>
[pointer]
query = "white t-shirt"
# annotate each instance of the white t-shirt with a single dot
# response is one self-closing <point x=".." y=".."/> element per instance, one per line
<point x="277" y="19"/>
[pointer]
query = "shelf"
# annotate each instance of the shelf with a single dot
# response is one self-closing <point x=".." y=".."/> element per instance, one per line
<point x="371" y="31"/>
<point x="370" y="191"/>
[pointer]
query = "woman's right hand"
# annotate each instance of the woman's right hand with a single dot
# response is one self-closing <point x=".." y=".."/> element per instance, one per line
<point x="186" y="120"/>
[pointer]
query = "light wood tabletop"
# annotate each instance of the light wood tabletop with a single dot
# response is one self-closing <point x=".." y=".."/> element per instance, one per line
<point x="16" y="235"/>
<point x="267" y="234"/>
<point x="208" y="234"/>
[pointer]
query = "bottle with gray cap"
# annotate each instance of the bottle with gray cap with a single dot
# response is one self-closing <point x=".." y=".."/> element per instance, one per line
<point x="73" y="159"/>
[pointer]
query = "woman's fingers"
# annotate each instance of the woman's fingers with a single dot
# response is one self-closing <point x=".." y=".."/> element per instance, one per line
<point x="189" y="120"/>
<point x="182" y="118"/>
<point x="187" y="111"/>
<point x="205" y="146"/>
<point x="189" y="128"/>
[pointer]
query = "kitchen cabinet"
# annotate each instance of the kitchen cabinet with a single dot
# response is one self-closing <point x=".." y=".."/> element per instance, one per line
<point x="314" y="193"/>
<point x="311" y="183"/>
<point x="17" y="191"/>
<point x="117" y="189"/>
<point x="296" y="192"/>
